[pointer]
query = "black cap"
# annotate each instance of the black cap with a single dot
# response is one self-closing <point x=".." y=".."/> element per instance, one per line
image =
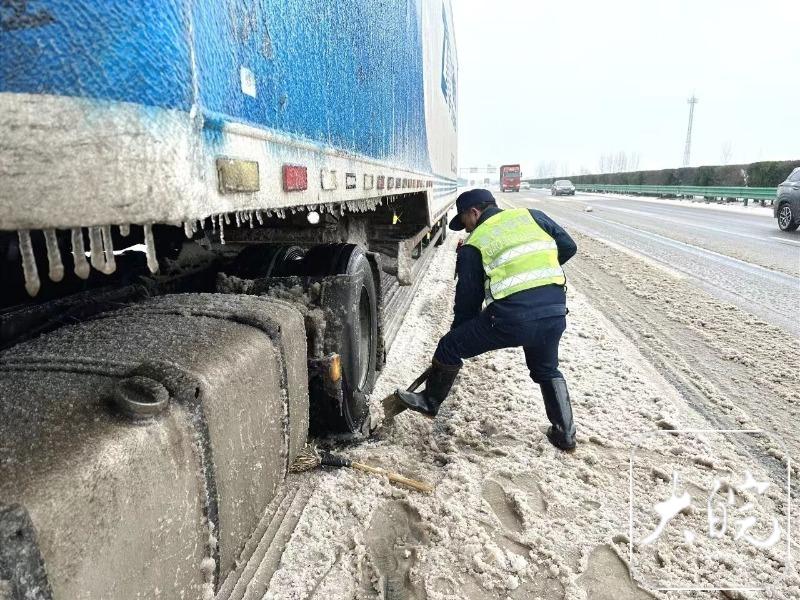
<point x="467" y="200"/>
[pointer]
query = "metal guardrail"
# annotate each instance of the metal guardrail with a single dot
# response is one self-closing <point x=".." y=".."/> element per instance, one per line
<point x="744" y="193"/>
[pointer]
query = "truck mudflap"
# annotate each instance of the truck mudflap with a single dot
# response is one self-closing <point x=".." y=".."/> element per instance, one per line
<point x="139" y="450"/>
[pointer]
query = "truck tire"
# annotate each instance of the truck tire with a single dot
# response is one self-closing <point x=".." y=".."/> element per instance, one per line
<point x="358" y="336"/>
<point x="267" y="260"/>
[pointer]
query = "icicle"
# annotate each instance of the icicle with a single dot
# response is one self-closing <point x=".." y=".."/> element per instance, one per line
<point x="82" y="267"/>
<point x="188" y="229"/>
<point x="53" y="255"/>
<point x="149" y="242"/>
<point x="222" y="229"/>
<point x="227" y="219"/>
<point x="32" y="283"/>
<point x="96" y="248"/>
<point x="124" y="230"/>
<point x="195" y="226"/>
<point x="213" y="225"/>
<point x="110" y="264"/>
<point x="250" y="218"/>
<point x="260" y="217"/>
<point x="238" y="219"/>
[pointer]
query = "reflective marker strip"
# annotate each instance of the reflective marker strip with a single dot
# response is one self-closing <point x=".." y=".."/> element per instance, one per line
<point x="295" y="178"/>
<point x="328" y="180"/>
<point x="237" y="176"/>
<point x="513" y="253"/>
<point x="525" y="278"/>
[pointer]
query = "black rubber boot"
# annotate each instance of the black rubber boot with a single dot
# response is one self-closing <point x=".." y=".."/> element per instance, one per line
<point x="561" y="432"/>
<point x="437" y="387"/>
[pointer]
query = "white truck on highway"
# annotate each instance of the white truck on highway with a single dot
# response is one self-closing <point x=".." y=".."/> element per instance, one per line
<point x="213" y="216"/>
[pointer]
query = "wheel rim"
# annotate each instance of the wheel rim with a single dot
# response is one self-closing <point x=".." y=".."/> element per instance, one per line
<point x="785" y="217"/>
<point x="365" y="338"/>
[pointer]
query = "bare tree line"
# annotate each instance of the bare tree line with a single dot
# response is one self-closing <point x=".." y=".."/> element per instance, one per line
<point x="612" y="162"/>
<point x="620" y="162"/>
<point x="726" y="152"/>
<point x="552" y="168"/>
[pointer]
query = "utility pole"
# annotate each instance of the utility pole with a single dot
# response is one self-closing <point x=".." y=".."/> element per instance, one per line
<point x="688" y="150"/>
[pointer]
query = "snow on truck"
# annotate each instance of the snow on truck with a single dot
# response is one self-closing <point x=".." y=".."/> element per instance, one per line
<point x="213" y="217"/>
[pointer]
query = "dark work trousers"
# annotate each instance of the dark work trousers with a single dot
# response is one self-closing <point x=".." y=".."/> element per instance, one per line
<point x="539" y="338"/>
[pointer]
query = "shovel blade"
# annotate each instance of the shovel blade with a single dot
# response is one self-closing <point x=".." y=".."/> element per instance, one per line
<point x="392" y="406"/>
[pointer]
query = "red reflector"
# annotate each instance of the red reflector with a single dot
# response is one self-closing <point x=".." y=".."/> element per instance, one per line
<point x="295" y="178"/>
<point x="381" y="182"/>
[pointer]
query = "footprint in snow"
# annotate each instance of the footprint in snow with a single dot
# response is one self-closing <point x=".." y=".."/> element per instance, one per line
<point x="394" y="532"/>
<point x="607" y="578"/>
<point x="502" y="506"/>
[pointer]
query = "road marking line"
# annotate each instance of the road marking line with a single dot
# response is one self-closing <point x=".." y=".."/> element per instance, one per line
<point x="683" y="222"/>
<point x="775" y="237"/>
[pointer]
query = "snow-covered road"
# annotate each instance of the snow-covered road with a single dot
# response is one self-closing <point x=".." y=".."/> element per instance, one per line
<point x="511" y="517"/>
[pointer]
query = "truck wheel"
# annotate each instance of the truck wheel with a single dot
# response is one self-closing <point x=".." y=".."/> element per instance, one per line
<point x="786" y="218"/>
<point x="357" y="335"/>
<point x="267" y="260"/>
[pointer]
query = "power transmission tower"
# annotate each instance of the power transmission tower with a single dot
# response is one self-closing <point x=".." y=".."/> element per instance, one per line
<point x="688" y="150"/>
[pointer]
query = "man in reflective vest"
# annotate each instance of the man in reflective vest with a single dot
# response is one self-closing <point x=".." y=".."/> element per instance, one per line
<point x="511" y="262"/>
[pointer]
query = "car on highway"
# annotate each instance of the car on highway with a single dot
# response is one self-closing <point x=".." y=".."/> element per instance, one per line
<point x="524" y="185"/>
<point x="562" y="187"/>
<point x="787" y="204"/>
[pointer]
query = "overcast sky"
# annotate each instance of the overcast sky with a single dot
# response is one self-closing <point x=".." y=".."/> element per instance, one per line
<point x="567" y="81"/>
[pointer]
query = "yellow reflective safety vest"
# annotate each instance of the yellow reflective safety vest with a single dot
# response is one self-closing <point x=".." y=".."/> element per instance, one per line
<point x="517" y="254"/>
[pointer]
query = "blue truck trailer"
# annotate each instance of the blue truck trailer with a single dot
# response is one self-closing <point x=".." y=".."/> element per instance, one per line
<point x="213" y="217"/>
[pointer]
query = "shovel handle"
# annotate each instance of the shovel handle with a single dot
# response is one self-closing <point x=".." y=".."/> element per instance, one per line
<point x="392" y="405"/>
<point x="420" y="486"/>
<point x="420" y="380"/>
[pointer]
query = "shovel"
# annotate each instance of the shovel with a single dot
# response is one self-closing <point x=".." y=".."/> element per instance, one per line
<point x="392" y="406"/>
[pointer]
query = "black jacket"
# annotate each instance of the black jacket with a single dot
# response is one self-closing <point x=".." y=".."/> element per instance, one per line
<point x="536" y="303"/>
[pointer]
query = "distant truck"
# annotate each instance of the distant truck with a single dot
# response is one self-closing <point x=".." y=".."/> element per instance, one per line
<point x="214" y="218"/>
<point x="510" y="178"/>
